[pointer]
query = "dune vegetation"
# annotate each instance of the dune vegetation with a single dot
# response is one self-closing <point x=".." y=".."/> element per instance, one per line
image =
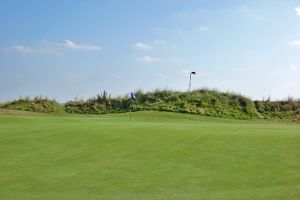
<point x="203" y="102"/>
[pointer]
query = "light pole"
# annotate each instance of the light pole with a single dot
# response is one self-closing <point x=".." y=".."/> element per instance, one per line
<point x="194" y="73"/>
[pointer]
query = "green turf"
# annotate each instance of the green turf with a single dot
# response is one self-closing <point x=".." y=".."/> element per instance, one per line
<point x="155" y="156"/>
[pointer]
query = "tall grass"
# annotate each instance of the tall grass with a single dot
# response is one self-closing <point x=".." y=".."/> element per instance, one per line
<point x="37" y="104"/>
<point x="202" y="102"/>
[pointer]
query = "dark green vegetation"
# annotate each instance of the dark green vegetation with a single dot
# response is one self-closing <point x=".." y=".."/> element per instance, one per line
<point x="155" y="156"/>
<point x="202" y="102"/>
<point x="289" y="109"/>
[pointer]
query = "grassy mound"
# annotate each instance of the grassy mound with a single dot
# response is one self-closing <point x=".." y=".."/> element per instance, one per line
<point x="289" y="109"/>
<point x="201" y="102"/>
<point x="38" y="104"/>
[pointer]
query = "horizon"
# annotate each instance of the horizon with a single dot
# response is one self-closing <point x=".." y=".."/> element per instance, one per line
<point x="65" y="50"/>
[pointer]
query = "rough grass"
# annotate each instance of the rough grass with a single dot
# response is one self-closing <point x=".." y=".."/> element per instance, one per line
<point x="202" y="102"/>
<point x="155" y="156"/>
<point x="37" y="104"/>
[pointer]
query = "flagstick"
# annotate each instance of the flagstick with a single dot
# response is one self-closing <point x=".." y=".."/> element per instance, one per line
<point x="132" y="99"/>
<point x="130" y="108"/>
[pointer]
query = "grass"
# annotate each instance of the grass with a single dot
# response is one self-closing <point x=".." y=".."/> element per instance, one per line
<point x="155" y="156"/>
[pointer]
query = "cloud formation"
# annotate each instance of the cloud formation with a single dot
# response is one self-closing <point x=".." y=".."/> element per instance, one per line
<point x="298" y="10"/>
<point x="149" y="59"/>
<point x="87" y="47"/>
<point x="294" y="67"/>
<point x="21" y="49"/>
<point x="143" y="46"/>
<point x="295" y="43"/>
<point x="204" y="28"/>
<point x="53" y="48"/>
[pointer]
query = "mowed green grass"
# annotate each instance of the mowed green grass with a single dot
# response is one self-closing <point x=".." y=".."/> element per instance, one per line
<point x="155" y="156"/>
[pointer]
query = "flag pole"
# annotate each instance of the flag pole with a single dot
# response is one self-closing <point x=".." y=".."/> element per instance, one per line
<point x="130" y="108"/>
<point x="190" y="83"/>
<point x="132" y="99"/>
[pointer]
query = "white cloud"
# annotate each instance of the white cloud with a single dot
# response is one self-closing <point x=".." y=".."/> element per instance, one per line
<point x="149" y="59"/>
<point x="53" y="48"/>
<point x="294" y="67"/>
<point x="155" y="44"/>
<point x="295" y="43"/>
<point x="21" y="49"/>
<point x="298" y="10"/>
<point x="87" y="47"/>
<point x="143" y="46"/>
<point x="69" y="44"/>
<point x="204" y="28"/>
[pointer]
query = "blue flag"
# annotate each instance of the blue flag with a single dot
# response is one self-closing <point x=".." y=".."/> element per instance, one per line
<point x="132" y="96"/>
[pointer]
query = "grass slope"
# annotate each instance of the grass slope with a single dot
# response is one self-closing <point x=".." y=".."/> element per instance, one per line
<point x="203" y="102"/>
<point x="155" y="156"/>
<point x="38" y="104"/>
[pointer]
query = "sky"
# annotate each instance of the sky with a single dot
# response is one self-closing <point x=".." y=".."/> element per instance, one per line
<point x="76" y="49"/>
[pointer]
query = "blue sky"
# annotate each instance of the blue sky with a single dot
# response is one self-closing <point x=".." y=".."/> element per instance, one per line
<point x="68" y="49"/>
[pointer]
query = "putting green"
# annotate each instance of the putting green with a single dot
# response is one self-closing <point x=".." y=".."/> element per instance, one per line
<point x="155" y="156"/>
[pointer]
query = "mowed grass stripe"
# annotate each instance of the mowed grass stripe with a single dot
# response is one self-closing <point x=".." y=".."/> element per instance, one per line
<point x="155" y="156"/>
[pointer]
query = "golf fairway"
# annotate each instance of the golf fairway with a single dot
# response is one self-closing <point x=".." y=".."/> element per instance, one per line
<point x="153" y="156"/>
